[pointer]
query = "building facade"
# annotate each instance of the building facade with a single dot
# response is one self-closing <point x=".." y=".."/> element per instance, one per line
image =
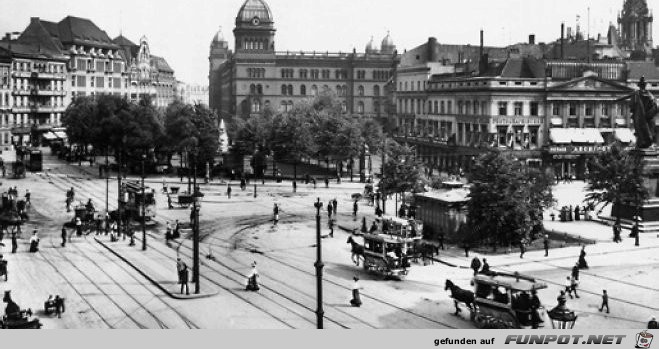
<point x="37" y="78"/>
<point x="192" y="93"/>
<point x="148" y="75"/>
<point x="256" y="76"/>
<point x="635" y="26"/>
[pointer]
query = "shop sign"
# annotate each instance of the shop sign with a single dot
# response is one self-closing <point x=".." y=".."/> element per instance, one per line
<point x="579" y="149"/>
<point x="518" y="121"/>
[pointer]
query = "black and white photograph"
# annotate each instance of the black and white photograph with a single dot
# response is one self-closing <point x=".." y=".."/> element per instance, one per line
<point x="337" y="164"/>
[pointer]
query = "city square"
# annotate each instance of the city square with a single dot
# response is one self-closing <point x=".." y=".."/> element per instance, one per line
<point x="339" y="190"/>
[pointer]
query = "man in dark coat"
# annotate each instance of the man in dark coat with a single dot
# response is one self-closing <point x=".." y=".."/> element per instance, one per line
<point x="63" y="237"/>
<point x="355" y="208"/>
<point x="486" y="267"/>
<point x="575" y="271"/>
<point x="545" y="242"/>
<point x="577" y="213"/>
<point x="14" y="243"/>
<point x="617" y="228"/>
<point x="334" y="205"/>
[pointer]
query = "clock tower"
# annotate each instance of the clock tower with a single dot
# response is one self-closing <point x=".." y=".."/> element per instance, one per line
<point x="255" y="31"/>
<point x="635" y="26"/>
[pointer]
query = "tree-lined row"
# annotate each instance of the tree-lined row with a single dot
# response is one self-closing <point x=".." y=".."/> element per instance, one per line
<point x="113" y="124"/>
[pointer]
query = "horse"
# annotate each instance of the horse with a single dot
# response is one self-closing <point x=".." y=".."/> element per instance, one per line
<point x="356" y="249"/>
<point x="460" y="295"/>
<point x="426" y="250"/>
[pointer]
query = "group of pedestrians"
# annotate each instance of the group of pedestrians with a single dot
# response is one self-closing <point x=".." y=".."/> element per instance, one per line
<point x="574" y="213"/>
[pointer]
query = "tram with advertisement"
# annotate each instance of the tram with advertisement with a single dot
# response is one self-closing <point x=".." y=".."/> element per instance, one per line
<point x="131" y="192"/>
<point x="388" y="250"/>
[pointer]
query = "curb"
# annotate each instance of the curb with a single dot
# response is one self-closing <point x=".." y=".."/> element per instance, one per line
<point x="154" y="282"/>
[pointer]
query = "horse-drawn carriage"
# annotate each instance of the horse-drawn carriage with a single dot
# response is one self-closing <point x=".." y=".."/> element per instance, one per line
<point x="16" y="318"/>
<point x="89" y="218"/>
<point x="387" y="255"/>
<point x="501" y="300"/>
<point x="133" y="201"/>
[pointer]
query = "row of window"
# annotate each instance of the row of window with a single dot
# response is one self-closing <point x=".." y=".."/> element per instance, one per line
<point x="97" y="81"/>
<point x="25" y="85"/>
<point x="409" y="85"/>
<point x="100" y="66"/>
<point x="255" y="44"/>
<point x="24" y="101"/>
<point x="287" y="90"/>
<point x="285" y="106"/>
<point x="256" y="72"/>
<point x="339" y="74"/>
<point x="41" y="67"/>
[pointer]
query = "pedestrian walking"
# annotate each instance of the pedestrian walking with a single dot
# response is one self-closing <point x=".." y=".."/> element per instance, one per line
<point x="3" y="267"/>
<point x="34" y="242"/>
<point x="545" y="242"/>
<point x="356" y="300"/>
<point x="182" y="270"/>
<point x="329" y="209"/>
<point x="14" y="243"/>
<point x="169" y="202"/>
<point x="326" y="183"/>
<point x="441" y="240"/>
<point x="605" y="301"/>
<point x="229" y="191"/>
<point x="313" y="180"/>
<point x="378" y="211"/>
<point x="364" y="228"/>
<point x="574" y="283"/>
<point x="331" y="224"/>
<point x="575" y="271"/>
<point x="568" y="286"/>
<point x="577" y="213"/>
<point x="27" y="197"/>
<point x="466" y="247"/>
<point x="582" y="258"/>
<point x="522" y="248"/>
<point x="569" y="213"/>
<point x="78" y="226"/>
<point x="334" y="204"/>
<point x="617" y="229"/>
<point x="295" y="186"/>
<point x="475" y="265"/>
<point x="59" y="306"/>
<point x="63" y="237"/>
<point x="355" y="207"/>
<point x="275" y="214"/>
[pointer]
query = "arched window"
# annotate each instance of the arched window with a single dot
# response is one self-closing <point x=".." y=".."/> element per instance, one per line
<point x="252" y="89"/>
<point x="259" y="89"/>
<point x="436" y="107"/>
<point x="256" y="106"/>
<point x="360" y="91"/>
<point x="303" y="90"/>
<point x="338" y="90"/>
<point x="282" y="106"/>
<point x="376" y="90"/>
<point x="314" y="90"/>
<point x="290" y="90"/>
<point x="283" y="90"/>
<point x="360" y="107"/>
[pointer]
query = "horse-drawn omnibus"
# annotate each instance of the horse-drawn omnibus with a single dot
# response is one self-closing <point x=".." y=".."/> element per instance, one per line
<point x="387" y="255"/>
<point x="501" y="300"/>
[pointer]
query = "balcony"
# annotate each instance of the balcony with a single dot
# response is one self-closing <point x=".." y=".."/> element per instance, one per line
<point x="21" y="109"/>
<point x="51" y="76"/>
<point x="21" y="74"/>
<point x="49" y="92"/>
<point x="38" y="108"/>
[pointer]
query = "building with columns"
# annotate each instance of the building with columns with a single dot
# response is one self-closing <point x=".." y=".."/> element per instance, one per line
<point x="256" y="76"/>
<point x="635" y="26"/>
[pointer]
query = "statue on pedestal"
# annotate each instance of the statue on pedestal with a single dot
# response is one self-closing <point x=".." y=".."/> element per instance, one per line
<point x="644" y="109"/>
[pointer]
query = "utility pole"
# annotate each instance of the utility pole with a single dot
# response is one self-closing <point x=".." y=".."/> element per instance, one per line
<point x="384" y="159"/>
<point x="119" y="193"/>
<point x="195" y="230"/>
<point x="143" y="206"/>
<point x="107" y="188"/>
<point x="319" y="269"/>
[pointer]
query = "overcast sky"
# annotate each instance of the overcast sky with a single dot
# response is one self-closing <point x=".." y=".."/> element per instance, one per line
<point x="181" y="30"/>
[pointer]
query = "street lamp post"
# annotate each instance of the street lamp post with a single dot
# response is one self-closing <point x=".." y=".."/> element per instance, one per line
<point x="319" y="269"/>
<point x="562" y="317"/>
<point x="143" y="207"/>
<point x="195" y="229"/>
<point x="107" y="188"/>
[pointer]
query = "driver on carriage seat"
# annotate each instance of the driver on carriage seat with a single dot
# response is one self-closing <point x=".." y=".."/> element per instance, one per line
<point x="499" y="296"/>
<point x="12" y="311"/>
<point x="90" y="206"/>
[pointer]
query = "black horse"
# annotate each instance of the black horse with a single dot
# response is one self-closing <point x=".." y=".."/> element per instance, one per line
<point x="356" y="249"/>
<point x="460" y="296"/>
<point x="425" y="250"/>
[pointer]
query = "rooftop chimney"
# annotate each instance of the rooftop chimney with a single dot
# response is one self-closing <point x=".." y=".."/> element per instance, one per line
<point x="531" y="39"/>
<point x="430" y="50"/>
<point x="562" y="40"/>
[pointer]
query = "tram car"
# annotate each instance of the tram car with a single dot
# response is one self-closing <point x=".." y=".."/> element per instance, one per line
<point x="387" y="255"/>
<point x="401" y="227"/>
<point x="505" y="300"/>
<point x="132" y="201"/>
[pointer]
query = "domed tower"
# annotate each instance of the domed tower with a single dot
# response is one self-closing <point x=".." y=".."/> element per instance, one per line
<point x="255" y="31"/>
<point x="370" y="47"/>
<point x="387" y="46"/>
<point x="635" y="26"/>
<point x="219" y="51"/>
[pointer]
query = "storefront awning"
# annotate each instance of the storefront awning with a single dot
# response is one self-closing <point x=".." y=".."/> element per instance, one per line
<point x="560" y="135"/>
<point x="625" y="135"/>
<point x="621" y="122"/>
<point x="49" y="136"/>
<point x="61" y="134"/>
<point x="575" y="135"/>
<point x="556" y="121"/>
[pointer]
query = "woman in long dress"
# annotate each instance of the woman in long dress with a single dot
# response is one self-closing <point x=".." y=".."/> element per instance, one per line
<point x="252" y="283"/>
<point x="356" y="300"/>
<point x="582" y="259"/>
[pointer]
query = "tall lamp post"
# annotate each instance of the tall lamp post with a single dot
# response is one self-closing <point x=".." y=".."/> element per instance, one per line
<point x="107" y="188"/>
<point x="143" y="206"/>
<point x="195" y="227"/>
<point x="319" y="269"/>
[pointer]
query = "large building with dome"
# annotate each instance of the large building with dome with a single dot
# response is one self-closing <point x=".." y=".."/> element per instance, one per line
<point x="255" y="76"/>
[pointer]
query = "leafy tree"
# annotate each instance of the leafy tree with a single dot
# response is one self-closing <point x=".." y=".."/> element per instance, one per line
<point x="254" y="133"/>
<point x="81" y="121"/>
<point x="192" y="128"/>
<point x="293" y="138"/>
<point x="402" y="173"/>
<point x="506" y="199"/>
<point x="616" y="177"/>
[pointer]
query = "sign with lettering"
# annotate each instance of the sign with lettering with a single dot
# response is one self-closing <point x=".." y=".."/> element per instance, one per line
<point x="579" y="149"/>
<point x="517" y="121"/>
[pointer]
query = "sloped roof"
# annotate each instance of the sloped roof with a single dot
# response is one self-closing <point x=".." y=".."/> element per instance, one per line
<point x="37" y="39"/>
<point x="82" y="31"/>
<point x="123" y="41"/>
<point x="527" y="67"/>
<point x="161" y="64"/>
<point x="128" y="49"/>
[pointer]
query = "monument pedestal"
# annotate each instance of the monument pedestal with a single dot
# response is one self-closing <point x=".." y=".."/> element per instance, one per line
<point x="649" y="210"/>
